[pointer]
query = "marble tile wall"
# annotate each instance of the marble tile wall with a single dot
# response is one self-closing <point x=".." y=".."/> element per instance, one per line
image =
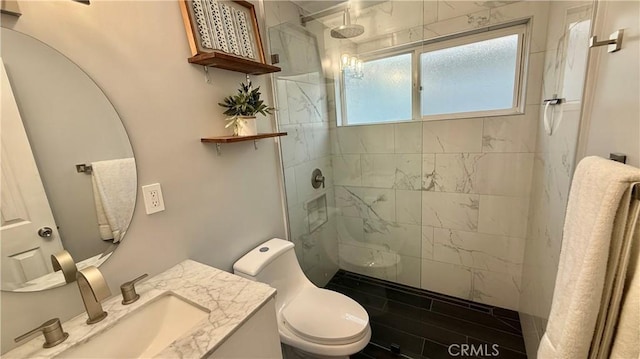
<point x="394" y="23"/>
<point x="440" y="205"/>
<point x="444" y="205"/>
<point x="564" y="73"/>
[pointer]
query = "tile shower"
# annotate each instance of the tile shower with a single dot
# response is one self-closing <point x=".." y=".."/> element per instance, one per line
<point x="437" y="204"/>
<point x="460" y="206"/>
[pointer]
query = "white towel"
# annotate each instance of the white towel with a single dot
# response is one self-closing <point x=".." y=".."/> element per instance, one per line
<point x="114" y="185"/>
<point x="593" y="248"/>
<point x="627" y="333"/>
<point x="614" y="284"/>
<point x="103" y="224"/>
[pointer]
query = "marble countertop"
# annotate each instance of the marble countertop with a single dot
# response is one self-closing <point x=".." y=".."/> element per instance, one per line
<point x="231" y="299"/>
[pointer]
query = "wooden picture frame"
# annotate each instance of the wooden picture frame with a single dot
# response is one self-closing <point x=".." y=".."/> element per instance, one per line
<point x="224" y="33"/>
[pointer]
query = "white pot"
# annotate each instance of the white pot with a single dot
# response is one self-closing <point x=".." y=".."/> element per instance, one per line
<point x="247" y="126"/>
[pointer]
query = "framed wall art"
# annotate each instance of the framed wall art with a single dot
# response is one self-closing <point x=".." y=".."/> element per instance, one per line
<point x="224" y="31"/>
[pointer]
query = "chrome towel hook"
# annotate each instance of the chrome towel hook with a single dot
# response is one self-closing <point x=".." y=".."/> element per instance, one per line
<point x="614" y="43"/>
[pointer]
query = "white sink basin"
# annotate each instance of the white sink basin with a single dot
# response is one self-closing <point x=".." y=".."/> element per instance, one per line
<point x="143" y="333"/>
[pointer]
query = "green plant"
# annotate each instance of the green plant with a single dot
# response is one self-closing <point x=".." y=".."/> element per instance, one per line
<point x="246" y="103"/>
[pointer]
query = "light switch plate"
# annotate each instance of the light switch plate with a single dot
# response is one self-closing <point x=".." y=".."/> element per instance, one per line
<point x="153" y="201"/>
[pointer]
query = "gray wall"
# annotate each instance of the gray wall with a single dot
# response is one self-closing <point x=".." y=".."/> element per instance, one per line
<point x="218" y="207"/>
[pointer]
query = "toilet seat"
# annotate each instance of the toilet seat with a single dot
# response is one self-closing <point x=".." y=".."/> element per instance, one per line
<point x="325" y="317"/>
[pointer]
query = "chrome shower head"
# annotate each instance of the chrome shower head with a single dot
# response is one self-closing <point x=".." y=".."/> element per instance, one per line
<point x="347" y="30"/>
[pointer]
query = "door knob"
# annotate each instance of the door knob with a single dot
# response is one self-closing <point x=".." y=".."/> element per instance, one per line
<point x="45" y="232"/>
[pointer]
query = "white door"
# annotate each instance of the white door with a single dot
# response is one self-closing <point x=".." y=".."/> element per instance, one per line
<point x="24" y="205"/>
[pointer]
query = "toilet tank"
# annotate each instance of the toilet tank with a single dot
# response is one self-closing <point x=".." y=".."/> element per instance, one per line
<point x="274" y="262"/>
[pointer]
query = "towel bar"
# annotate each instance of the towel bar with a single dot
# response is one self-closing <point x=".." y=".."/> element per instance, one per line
<point x="554" y="101"/>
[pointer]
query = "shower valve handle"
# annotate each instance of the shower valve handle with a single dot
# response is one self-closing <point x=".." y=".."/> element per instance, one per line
<point x="317" y="178"/>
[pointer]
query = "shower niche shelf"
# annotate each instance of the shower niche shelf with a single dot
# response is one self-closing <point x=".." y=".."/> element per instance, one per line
<point x="219" y="140"/>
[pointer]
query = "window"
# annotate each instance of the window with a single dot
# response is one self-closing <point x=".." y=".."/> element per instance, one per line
<point x="380" y="91"/>
<point x="479" y="76"/>
<point x="471" y="76"/>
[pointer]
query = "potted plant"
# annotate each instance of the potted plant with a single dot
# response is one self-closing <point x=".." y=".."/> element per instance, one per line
<point x="242" y="109"/>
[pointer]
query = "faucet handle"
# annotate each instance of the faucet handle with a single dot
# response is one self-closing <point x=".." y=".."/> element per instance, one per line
<point x="128" y="290"/>
<point x="52" y="330"/>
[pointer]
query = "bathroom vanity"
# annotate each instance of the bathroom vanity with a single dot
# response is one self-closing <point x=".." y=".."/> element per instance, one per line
<point x="189" y="311"/>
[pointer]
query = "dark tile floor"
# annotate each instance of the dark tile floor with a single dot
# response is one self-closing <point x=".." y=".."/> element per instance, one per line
<point x="423" y="323"/>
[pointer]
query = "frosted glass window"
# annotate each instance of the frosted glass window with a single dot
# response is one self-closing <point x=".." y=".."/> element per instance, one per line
<point x="474" y="77"/>
<point x="381" y="92"/>
<point x="477" y="75"/>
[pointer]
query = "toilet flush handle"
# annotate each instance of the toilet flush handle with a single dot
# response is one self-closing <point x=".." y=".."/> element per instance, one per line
<point x="317" y="178"/>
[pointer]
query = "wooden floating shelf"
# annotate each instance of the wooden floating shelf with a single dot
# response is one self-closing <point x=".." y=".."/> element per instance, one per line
<point x="228" y="62"/>
<point x="233" y="139"/>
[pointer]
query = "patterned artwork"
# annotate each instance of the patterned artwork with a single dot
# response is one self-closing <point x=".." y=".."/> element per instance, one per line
<point x="230" y="31"/>
<point x="217" y="26"/>
<point x="243" y="32"/>
<point x="226" y="26"/>
<point x="203" y="27"/>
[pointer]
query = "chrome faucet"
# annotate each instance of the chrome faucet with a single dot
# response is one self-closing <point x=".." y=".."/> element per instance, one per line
<point x="93" y="289"/>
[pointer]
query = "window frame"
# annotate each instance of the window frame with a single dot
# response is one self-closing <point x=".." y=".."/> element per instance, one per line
<point x="520" y="28"/>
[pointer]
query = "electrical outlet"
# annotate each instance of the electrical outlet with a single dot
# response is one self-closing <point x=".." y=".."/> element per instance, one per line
<point x="153" y="201"/>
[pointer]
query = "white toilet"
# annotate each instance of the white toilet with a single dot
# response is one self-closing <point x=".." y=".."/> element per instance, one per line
<point x="321" y="323"/>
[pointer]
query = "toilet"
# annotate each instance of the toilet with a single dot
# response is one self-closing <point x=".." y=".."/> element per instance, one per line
<point x="316" y="322"/>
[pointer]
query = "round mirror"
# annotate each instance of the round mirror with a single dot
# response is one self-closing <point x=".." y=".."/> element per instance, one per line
<point x="68" y="172"/>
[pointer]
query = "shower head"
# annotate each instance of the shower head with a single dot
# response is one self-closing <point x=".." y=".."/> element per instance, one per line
<point x="347" y="29"/>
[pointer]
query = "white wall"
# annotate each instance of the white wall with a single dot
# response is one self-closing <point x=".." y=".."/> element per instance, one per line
<point x="217" y="207"/>
<point x="612" y="123"/>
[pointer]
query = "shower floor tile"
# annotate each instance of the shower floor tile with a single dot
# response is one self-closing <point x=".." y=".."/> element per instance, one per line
<point x="423" y="323"/>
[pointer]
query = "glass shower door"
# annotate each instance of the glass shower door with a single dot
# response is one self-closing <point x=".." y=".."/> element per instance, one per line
<point x="302" y="113"/>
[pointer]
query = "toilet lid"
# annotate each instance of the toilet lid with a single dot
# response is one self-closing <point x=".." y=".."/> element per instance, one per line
<point x="325" y="317"/>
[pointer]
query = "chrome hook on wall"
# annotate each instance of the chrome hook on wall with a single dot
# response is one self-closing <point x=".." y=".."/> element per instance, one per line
<point x="614" y="43"/>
